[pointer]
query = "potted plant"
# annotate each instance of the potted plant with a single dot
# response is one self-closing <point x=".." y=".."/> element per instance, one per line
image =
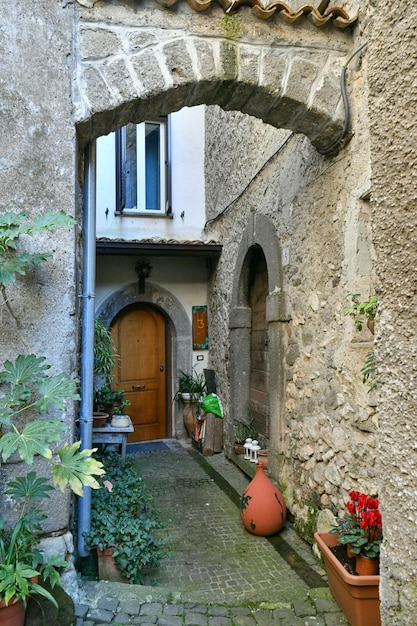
<point x="27" y="395"/>
<point x="107" y="400"/>
<point x="357" y="595"/>
<point x="243" y="430"/>
<point x="191" y="387"/>
<point x="361" y="530"/>
<point x="21" y="563"/>
<point x="123" y="524"/>
<point x="358" y="310"/>
<point x="110" y="400"/>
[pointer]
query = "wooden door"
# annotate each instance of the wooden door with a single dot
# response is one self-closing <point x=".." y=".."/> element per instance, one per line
<point x="140" y="335"/>
<point x="259" y="372"/>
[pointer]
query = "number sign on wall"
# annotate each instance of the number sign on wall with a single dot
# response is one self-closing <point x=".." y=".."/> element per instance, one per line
<point x="200" y="328"/>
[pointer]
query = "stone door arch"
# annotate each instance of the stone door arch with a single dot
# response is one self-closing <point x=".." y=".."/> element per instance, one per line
<point x="134" y="63"/>
<point x="180" y="326"/>
<point x="258" y="233"/>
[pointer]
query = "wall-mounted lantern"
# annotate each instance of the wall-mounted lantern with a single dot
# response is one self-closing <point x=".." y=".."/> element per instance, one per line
<point x="143" y="269"/>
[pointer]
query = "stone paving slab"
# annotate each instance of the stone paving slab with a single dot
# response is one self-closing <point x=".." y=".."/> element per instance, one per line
<point x="216" y="573"/>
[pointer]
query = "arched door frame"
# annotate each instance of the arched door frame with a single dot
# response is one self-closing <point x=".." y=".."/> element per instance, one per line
<point x="179" y="322"/>
<point x="259" y="232"/>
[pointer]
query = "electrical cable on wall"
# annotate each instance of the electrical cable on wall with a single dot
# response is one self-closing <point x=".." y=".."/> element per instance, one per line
<point x="345" y="102"/>
<point x="267" y="162"/>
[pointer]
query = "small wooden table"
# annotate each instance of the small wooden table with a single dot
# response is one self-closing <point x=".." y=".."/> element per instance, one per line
<point x="109" y="434"/>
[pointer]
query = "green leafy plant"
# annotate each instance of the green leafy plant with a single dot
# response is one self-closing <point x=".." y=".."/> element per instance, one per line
<point x="105" y="354"/>
<point x="244" y="430"/>
<point x="360" y="309"/>
<point x="362" y="528"/>
<point x="111" y="400"/>
<point x="27" y="390"/>
<point x="20" y="560"/>
<point x="193" y="383"/>
<point x="368" y="370"/>
<point x="14" y="264"/>
<point x="123" y="518"/>
<point x="28" y="393"/>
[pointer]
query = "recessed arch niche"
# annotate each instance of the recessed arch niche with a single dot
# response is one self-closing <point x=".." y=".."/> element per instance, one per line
<point x="259" y="244"/>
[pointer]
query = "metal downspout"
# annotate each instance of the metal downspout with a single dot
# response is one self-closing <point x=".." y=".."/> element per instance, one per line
<point x="87" y="332"/>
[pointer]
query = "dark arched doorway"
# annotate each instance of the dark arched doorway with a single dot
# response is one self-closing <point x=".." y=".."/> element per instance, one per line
<point x="259" y="359"/>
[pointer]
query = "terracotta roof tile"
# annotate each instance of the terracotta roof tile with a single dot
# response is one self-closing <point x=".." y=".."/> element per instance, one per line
<point x="157" y="240"/>
<point x="319" y="16"/>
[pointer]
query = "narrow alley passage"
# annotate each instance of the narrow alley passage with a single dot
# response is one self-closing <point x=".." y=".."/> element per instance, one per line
<point x="213" y="562"/>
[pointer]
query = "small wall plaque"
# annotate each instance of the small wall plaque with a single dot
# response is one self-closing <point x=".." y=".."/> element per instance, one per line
<point x="200" y="328"/>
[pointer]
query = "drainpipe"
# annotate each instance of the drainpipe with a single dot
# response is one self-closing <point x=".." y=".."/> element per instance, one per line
<point x="87" y="333"/>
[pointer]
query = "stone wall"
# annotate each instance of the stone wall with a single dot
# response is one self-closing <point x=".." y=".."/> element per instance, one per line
<point x="37" y="174"/>
<point x="326" y="437"/>
<point x="393" y="97"/>
<point x="328" y="431"/>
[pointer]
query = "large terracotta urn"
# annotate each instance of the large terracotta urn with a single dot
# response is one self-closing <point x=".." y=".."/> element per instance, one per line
<point x="189" y="412"/>
<point x="262" y="507"/>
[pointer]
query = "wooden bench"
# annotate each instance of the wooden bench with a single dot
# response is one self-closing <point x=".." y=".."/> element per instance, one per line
<point x="110" y="435"/>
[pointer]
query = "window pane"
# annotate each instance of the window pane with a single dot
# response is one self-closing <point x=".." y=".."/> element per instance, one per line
<point x="152" y="173"/>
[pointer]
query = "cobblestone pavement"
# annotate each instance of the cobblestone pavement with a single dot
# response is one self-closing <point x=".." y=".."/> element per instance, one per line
<point x="216" y="573"/>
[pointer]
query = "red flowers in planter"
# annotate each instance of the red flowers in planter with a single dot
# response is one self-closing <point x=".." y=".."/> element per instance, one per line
<point x="363" y="529"/>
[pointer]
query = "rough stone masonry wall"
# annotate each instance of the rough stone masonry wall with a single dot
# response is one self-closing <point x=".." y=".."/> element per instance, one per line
<point x="392" y="110"/>
<point x="328" y="437"/>
<point x="37" y="174"/>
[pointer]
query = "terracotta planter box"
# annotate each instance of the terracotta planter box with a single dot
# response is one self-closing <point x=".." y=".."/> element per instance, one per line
<point x="357" y="596"/>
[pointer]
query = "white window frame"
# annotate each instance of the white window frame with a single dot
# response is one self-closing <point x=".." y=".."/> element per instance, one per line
<point x="164" y="186"/>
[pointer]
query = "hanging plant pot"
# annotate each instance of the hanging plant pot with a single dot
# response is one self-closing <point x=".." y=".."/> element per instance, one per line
<point x="12" y="614"/>
<point x="262" y="507"/>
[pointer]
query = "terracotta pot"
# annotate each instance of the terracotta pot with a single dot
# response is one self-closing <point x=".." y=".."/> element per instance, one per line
<point x="262" y="506"/>
<point x="238" y="448"/>
<point x="99" y="419"/>
<point x="366" y="566"/>
<point x="371" y="325"/>
<point x="357" y="596"/>
<point x="12" y="614"/>
<point x="189" y="415"/>
<point x="263" y="458"/>
<point x="107" y="568"/>
<point x="351" y="555"/>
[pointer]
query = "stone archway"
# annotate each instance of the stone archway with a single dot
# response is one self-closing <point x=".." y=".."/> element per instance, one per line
<point x="259" y="232"/>
<point x="133" y="64"/>
<point x="178" y="319"/>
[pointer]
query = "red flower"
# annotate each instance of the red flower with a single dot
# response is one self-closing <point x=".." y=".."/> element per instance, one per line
<point x="354" y="496"/>
<point x="371" y="503"/>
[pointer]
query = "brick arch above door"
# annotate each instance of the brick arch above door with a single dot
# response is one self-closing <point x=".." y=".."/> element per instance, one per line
<point x="260" y="232"/>
<point x="180" y="324"/>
